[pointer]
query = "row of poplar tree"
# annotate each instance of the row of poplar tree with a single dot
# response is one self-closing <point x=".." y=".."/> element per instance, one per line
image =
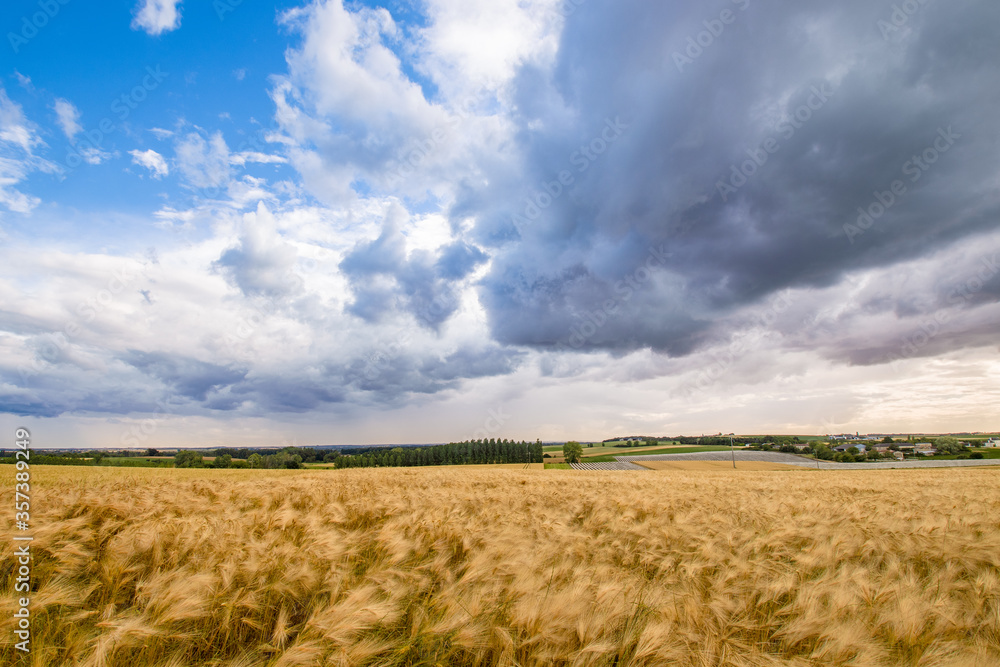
<point x="488" y="451"/>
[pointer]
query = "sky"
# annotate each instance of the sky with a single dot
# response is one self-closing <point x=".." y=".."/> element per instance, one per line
<point x="256" y="224"/>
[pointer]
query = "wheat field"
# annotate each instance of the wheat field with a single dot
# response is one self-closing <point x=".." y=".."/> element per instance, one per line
<point x="159" y="567"/>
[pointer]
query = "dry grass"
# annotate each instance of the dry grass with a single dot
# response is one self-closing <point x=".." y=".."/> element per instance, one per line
<point x="721" y="466"/>
<point x="427" y="566"/>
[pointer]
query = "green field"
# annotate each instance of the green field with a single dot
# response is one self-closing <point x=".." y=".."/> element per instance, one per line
<point x="137" y="462"/>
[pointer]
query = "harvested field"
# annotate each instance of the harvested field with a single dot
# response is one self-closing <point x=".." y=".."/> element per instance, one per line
<point x="460" y="566"/>
<point x="618" y="465"/>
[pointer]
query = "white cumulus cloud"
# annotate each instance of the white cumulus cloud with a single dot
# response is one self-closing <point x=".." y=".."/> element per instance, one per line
<point x="151" y="160"/>
<point x="68" y="117"/>
<point x="18" y="140"/>
<point x="254" y="156"/>
<point x="205" y="164"/>
<point x="157" y="16"/>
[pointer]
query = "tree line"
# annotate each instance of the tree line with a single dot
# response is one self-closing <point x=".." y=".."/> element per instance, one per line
<point x="469" y="452"/>
<point x="289" y="457"/>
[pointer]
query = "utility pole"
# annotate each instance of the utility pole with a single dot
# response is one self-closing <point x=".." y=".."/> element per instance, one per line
<point x="731" y="450"/>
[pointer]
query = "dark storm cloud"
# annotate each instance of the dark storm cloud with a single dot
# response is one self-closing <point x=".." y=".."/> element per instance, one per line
<point x="470" y="362"/>
<point x="61" y="386"/>
<point x="744" y="162"/>
<point x="389" y="373"/>
<point x="187" y="377"/>
<point x="458" y="260"/>
<point x="383" y="277"/>
<point x="268" y="393"/>
<point x="26" y="407"/>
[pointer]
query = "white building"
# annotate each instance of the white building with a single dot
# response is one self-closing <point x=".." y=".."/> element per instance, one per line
<point x="992" y="442"/>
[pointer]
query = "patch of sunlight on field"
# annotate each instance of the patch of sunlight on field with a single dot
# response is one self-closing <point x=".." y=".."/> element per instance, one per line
<point x="406" y="566"/>
<point x="716" y="465"/>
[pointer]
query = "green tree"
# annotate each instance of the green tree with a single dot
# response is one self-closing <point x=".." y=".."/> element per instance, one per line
<point x="255" y="461"/>
<point x="949" y="445"/>
<point x="887" y="439"/>
<point x="187" y="459"/>
<point x="286" y="460"/>
<point x="537" y="452"/>
<point x="572" y="451"/>
<point x="823" y="452"/>
<point x="223" y="461"/>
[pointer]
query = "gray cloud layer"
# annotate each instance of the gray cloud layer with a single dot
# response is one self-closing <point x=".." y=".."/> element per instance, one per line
<point x="819" y="112"/>
<point x="683" y="175"/>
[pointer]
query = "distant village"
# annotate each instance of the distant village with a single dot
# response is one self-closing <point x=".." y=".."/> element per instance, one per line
<point x="843" y="448"/>
<point x="886" y="446"/>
